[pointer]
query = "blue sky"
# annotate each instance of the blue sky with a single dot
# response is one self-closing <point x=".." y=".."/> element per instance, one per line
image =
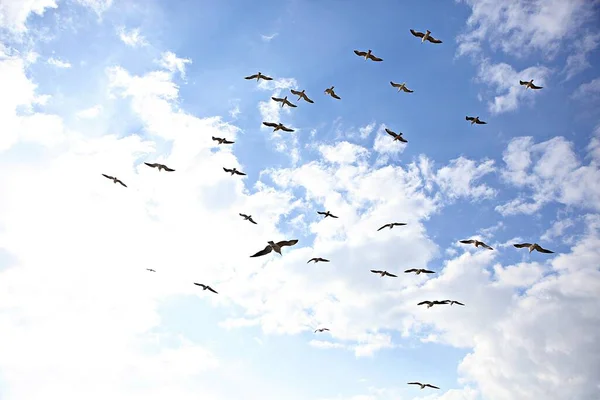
<point x="100" y="86"/>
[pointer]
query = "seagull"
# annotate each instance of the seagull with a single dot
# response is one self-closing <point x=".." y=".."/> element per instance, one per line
<point x="326" y="214"/>
<point x="477" y="243"/>
<point x="317" y="259"/>
<point x="418" y="271"/>
<point x="278" y="126"/>
<point x="247" y="218"/>
<point x="383" y="273"/>
<point x="150" y="269"/>
<point x="321" y="330"/>
<point x="283" y="101"/>
<point x="332" y="93"/>
<point x="397" y="136"/>
<point x="451" y="302"/>
<point x="401" y="86"/>
<point x="391" y="225"/>
<point x="275" y="246"/>
<point x="432" y="303"/>
<point x="115" y="180"/>
<point x="205" y="287"/>
<point x="423" y="385"/>
<point x="259" y="76"/>
<point x="222" y="140"/>
<point x="367" y="55"/>
<point x="160" y="167"/>
<point x="233" y="171"/>
<point x="529" y="85"/>
<point x="532" y="247"/>
<point x="425" y="36"/>
<point x="475" y="120"/>
<point x="301" y="95"/>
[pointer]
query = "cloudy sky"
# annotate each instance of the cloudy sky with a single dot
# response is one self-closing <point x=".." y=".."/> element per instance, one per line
<point x="91" y="87"/>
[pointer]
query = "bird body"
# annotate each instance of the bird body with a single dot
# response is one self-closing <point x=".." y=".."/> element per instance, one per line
<point x="277" y="127"/>
<point x="475" y="120"/>
<point x="401" y="86"/>
<point x="425" y="36"/>
<point x="284" y="101"/>
<point x="396" y="136"/>
<point x="532" y="247"/>
<point x="317" y="259"/>
<point x="233" y="171"/>
<point x="383" y="273"/>
<point x="301" y="95"/>
<point x="326" y="214"/>
<point x="330" y="92"/>
<point x="529" y="85"/>
<point x="272" y="246"/>
<point x="419" y="271"/>
<point x="259" y="76"/>
<point x="114" y="179"/>
<point x="247" y="218"/>
<point x="367" y="55"/>
<point x="159" y="166"/>
<point x="391" y="225"/>
<point x="476" y="243"/>
<point x="206" y="287"/>
<point x="222" y="140"/>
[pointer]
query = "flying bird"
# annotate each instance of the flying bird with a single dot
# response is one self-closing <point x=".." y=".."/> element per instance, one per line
<point x="278" y="126"/>
<point x="317" y="259"/>
<point x="115" y="180"/>
<point x="332" y="93"/>
<point x="233" y="171"/>
<point x="247" y="218"/>
<point x="425" y="36"/>
<point x="529" y="85"/>
<point x="222" y="140"/>
<point x="451" y="302"/>
<point x="150" y="269"/>
<point x="418" y="271"/>
<point x="391" y="225"/>
<point x="476" y="243"/>
<point x="401" y="86"/>
<point x="159" y="166"/>
<point x="383" y="273"/>
<point x="259" y="76"/>
<point x="283" y="101"/>
<point x="321" y="330"/>
<point x="475" y="120"/>
<point x="367" y="55"/>
<point x="301" y="95"/>
<point x="397" y="136"/>
<point x="206" y="287"/>
<point x="532" y="247"/>
<point x="432" y="303"/>
<point x="326" y="214"/>
<point x="423" y="385"/>
<point x="272" y="246"/>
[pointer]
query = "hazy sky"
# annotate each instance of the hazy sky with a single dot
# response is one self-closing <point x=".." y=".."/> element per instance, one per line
<point x="91" y="87"/>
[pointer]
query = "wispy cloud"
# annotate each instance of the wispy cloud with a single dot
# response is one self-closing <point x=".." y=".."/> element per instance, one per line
<point x="171" y="62"/>
<point x="268" y="38"/>
<point x="58" y="63"/>
<point x="91" y="112"/>
<point x="131" y="37"/>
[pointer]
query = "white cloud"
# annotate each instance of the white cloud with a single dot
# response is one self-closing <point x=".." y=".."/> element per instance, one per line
<point x="456" y="179"/>
<point x="268" y="38"/>
<point x="132" y="37"/>
<point x="504" y="81"/>
<point x="578" y="61"/>
<point x="343" y="153"/>
<point x="14" y="13"/>
<point x="170" y="61"/>
<point x="588" y="91"/>
<point x="366" y="130"/>
<point x="385" y="144"/>
<point x="91" y="112"/>
<point x="557" y="229"/>
<point x="98" y="6"/>
<point x="58" y="63"/>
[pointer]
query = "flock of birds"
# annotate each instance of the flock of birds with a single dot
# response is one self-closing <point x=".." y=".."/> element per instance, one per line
<point x="277" y="246"/>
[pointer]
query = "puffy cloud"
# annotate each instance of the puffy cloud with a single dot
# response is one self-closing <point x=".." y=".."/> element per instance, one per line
<point x="14" y="13"/>
<point x="171" y="62"/>
<point x="91" y="112"/>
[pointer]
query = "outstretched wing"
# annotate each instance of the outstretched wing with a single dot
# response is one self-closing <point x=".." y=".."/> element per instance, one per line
<point x="199" y="284"/>
<point x="523" y="83"/>
<point x="121" y="182"/>
<point x="108" y="176"/>
<point x="168" y="169"/>
<point x="228" y="141"/>
<point x="286" y="129"/>
<point x="433" y="40"/>
<point x="226" y="170"/>
<point x="480" y="122"/>
<point x="264" y="251"/>
<point x="251" y="220"/>
<point x="376" y="271"/>
<point x="399" y="223"/>
<point x="407" y="90"/>
<point x="360" y="53"/>
<point x="424" y="302"/>
<point x="391" y="133"/>
<point x="333" y="216"/>
<point x="308" y="99"/>
<point x="243" y="215"/>
<point x="400" y="138"/>
<point x="521" y="245"/>
<point x="426" y="271"/>
<point x="392" y="275"/>
<point x="385" y="226"/>
<point x="287" y="242"/>
<point x="486" y="246"/>
<point x="542" y="250"/>
<point x="266" y="78"/>
<point x="297" y="93"/>
<point x="239" y="172"/>
<point x="417" y="34"/>
<point x="279" y="99"/>
<point x="532" y="86"/>
<point x="321" y="213"/>
<point x="312" y="259"/>
<point x="151" y="164"/>
<point x="470" y="241"/>
<point x="431" y="386"/>
<point x="270" y="124"/>
<point x="323" y="259"/>
<point x="469" y="118"/>
<point x="212" y="290"/>
<point x="394" y="84"/>
<point x="251" y="76"/>
<point x="458" y="302"/>
<point x="372" y="57"/>
<point x="411" y="270"/>
<point x="216" y="138"/>
<point x="335" y="96"/>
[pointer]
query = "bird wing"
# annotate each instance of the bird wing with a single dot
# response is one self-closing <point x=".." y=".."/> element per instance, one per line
<point x="424" y="302"/>
<point x="414" y="383"/>
<point x="264" y="251"/>
<point x="243" y="215"/>
<point x="392" y="275"/>
<point x="410" y="270"/>
<point x="426" y="271"/>
<point x="226" y="170"/>
<point x="431" y="386"/>
<point x="151" y="165"/>
<point x="121" y="182"/>
<point x="308" y="99"/>
<point x="391" y="133"/>
<point x="375" y="271"/>
<point x="407" y="90"/>
<point x="251" y="76"/>
<point x="523" y="82"/>
<point x="480" y="122"/>
<point x="199" y="284"/>
<point x="521" y="245"/>
<point x="277" y="99"/>
<point x="486" y="246"/>
<point x="532" y="86"/>
<point x="372" y="57"/>
<point x="441" y="302"/>
<point x="459" y="303"/>
<point x="360" y="53"/>
<point x="433" y="40"/>
<point x="239" y="172"/>
<point x="417" y="34"/>
<point x="296" y="92"/>
<point x="335" y="96"/>
<point x="228" y="141"/>
<point x="108" y="176"/>
<point x="312" y="259"/>
<point x="332" y="216"/>
<point x="542" y="250"/>
<point x="323" y="259"/>
<point x="385" y="226"/>
<point x="266" y="78"/>
<point x="216" y="138"/>
<point x="285" y="128"/>
<point x="212" y="290"/>
<point x="251" y="220"/>
<point x="394" y="84"/>
<point x="470" y="241"/>
<point x="270" y="124"/>
<point x="168" y="169"/>
<point x="287" y="242"/>
<point x="321" y="212"/>
<point x="290" y="104"/>
<point x="469" y="118"/>
<point x="400" y="138"/>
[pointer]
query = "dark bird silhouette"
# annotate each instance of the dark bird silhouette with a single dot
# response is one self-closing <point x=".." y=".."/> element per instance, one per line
<point x="396" y="136"/>
<point x="259" y="76"/>
<point x="367" y="55"/>
<point x="150" y="269"/>
<point x="222" y="140"/>
<point x="317" y="259"/>
<point x="475" y="120"/>
<point x="206" y="287"/>
<point x="272" y="246"/>
<point x="332" y="93"/>
<point x="383" y="273"/>
<point x="115" y="180"/>
<point x="532" y="247"/>
<point x="425" y="36"/>
<point x="452" y="302"/>
<point x="278" y="126"/>
<point x="391" y="225"/>
<point x="326" y="214"/>
<point x="284" y="101"/>
<point x="432" y="303"/>
<point x="321" y="330"/>
<point x="529" y="85"/>
<point x="476" y="243"/>
<point x="247" y="218"/>
<point x="401" y="86"/>
<point x="419" y="271"/>
<point x="301" y="95"/>
<point x="423" y="385"/>
<point x="233" y="171"/>
<point x="159" y="166"/>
